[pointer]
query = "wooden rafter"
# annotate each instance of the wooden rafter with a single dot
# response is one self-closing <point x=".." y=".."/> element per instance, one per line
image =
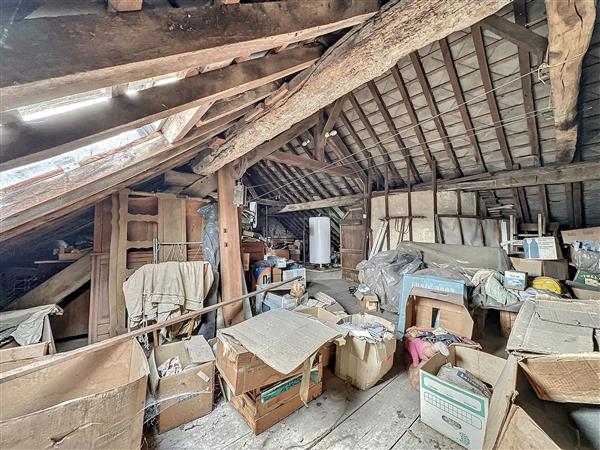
<point x="393" y="131"/>
<point x="404" y="25"/>
<point x="24" y="142"/>
<point x="433" y="109"/>
<point x="516" y="33"/>
<point x="303" y="162"/>
<point x="374" y="137"/>
<point x="460" y="101"/>
<point x="410" y="109"/>
<point x="153" y="42"/>
<point x="486" y="78"/>
<point x="570" y="27"/>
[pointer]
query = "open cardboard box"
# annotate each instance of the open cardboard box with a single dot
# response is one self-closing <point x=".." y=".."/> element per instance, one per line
<point x="195" y="381"/>
<point x="328" y="350"/>
<point x="426" y="308"/>
<point x="554" y="343"/>
<point x="14" y="355"/>
<point x="558" y="269"/>
<point x="95" y="400"/>
<point x="511" y="418"/>
<point x="361" y="363"/>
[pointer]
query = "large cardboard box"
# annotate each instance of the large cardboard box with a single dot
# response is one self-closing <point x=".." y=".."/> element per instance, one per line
<point x="328" y="350"/>
<point x="469" y="419"/>
<point x="558" y="269"/>
<point x="195" y="381"/>
<point x="367" y="302"/>
<point x="94" y="400"/>
<point x="554" y="343"/>
<point x="361" y="363"/>
<point x="582" y="234"/>
<point x="14" y="355"/>
<point x="542" y="248"/>
<point x="242" y="370"/>
<point x="264" y="409"/>
<point x="448" y="310"/>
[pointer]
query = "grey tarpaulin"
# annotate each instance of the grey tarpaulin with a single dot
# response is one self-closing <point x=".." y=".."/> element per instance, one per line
<point x="383" y="273"/>
<point x="210" y="253"/>
<point x="26" y="325"/>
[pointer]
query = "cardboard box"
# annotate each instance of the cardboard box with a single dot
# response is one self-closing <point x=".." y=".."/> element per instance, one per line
<point x="282" y="253"/>
<point x="244" y="371"/>
<point x="427" y="308"/>
<point x="515" y="280"/>
<point x="587" y="278"/>
<point x="582" y="293"/>
<point x="289" y="274"/>
<point x="554" y="342"/>
<point x="582" y="234"/>
<point x="328" y="350"/>
<point x="263" y="410"/>
<point x="361" y="363"/>
<point x="542" y="248"/>
<point x="13" y="357"/>
<point x="281" y="300"/>
<point x="367" y="302"/>
<point x="196" y="380"/>
<point x="558" y="269"/>
<point x="246" y="261"/>
<point x="276" y="274"/>
<point x="443" y="288"/>
<point x="469" y="419"/>
<point x="94" y="400"/>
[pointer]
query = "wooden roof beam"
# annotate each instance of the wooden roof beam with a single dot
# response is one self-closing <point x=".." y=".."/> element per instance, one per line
<point x="570" y="27"/>
<point x="403" y="25"/>
<point x="76" y="54"/>
<point x="25" y="142"/>
<point x="303" y="162"/>
<point x="516" y="33"/>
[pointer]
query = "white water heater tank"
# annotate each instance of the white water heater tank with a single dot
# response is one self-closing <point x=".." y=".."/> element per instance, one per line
<point x="319" y="238"/>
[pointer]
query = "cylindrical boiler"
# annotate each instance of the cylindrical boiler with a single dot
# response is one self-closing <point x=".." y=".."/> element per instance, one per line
<point x="319" y="238"/>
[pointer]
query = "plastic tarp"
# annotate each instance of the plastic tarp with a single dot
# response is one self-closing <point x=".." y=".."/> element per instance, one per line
<point x="26" y="325"/>
<point x="383" y="273"/>
<point x="210" y="253"/>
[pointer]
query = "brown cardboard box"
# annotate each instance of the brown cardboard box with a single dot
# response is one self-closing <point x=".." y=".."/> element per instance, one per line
<point x="271" y="405"/>
<point x="282" y="253"/>
<point x="453" y="314"/>
<point x="582" y="234"/>
<point x="246" y="261"/>
<point x="554" y="342"/>
<point x="13" y="357"/>
<point x="361" y="363"/>
<point x="276" y="274"/>
<point x="196" y="380"/>
<point x="368" y="302"/>
<point x="328" y="350"/>
<point x="558" y="269"/>
<point x="244" y="371"/>
<point x="94" y="400"/>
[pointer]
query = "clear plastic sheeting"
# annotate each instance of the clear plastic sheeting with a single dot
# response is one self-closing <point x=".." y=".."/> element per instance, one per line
<point x="586" y="256"/>
<point x="383" y="273"/>
<point x="210" y="253"/>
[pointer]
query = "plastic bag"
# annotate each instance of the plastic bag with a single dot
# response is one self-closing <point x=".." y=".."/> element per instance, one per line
<point x="585" y="257"/>
<point x="383" y="273"/>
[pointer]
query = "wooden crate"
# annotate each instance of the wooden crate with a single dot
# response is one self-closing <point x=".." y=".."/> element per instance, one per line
<point x="261" y="415"/>
<point x="507" y="319"/>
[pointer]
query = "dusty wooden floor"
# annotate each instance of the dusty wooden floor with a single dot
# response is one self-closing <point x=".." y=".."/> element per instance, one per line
<point x="384" y="417"/>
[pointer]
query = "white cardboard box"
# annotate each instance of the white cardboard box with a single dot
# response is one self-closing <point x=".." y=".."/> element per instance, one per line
<point x="471" y="420"/>
<point x="542" y="248"/>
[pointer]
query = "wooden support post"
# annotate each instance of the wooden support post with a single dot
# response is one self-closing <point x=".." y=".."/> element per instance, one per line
<point x="387" y="205"/>
<point x="409" y="211"/>
<point x="367" y="215"/>
<point x="435" y="208"/>
<point x="229" y="244"/>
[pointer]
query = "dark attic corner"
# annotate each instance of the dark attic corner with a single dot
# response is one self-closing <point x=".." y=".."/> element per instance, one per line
<point x="324" y="224"/>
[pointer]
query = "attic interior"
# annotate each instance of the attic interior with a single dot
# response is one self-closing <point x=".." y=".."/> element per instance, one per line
<point x="287" y="224"/>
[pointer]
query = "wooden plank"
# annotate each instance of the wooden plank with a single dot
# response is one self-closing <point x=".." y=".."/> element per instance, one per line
<point x="203" y="187"/>
<point x="346" y="200"/>
<point x="405" y="26"/>
<point x="570" y="27"/>
<point x="100" y="174"/>
<point x="435" y="113"/>
<point x="516" y="33"/>
<point x="154" y="42"/>
<point x="303" y="162"/>
<point x="66" y="356"/>
<point x="25" y="142"/>
<point x="491" y="97"/>
<point x="460" y="100"/>
<point x="180" y="124"/>
<point x="58" y="286"/>
<point x="126" y="5"/>
<point x="410" y="109"/>
<point x="229" y="243"/>
<point x="520" y="10"/>
<point x="394" y="132"/>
